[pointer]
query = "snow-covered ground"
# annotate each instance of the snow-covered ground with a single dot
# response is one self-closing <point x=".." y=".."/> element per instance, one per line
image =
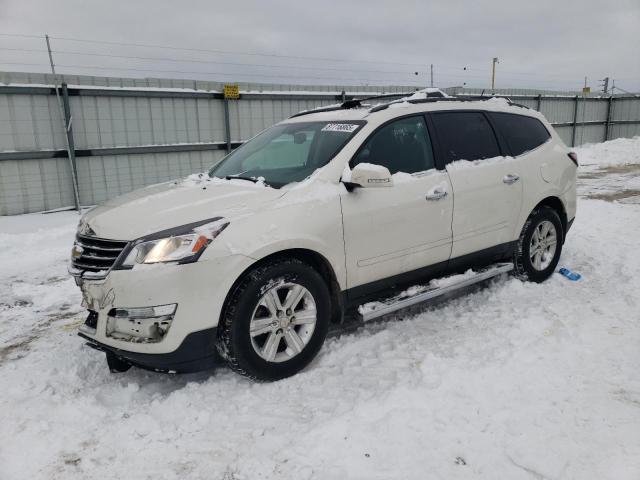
<point x="517" y="381"/>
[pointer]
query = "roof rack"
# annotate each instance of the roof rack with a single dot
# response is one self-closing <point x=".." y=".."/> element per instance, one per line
<point x="465" y="98"/>
<point x="349" y="104"/>
<point x="357" y="103"/>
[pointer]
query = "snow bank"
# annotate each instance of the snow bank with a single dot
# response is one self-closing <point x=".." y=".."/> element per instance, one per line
<point x="620" y="151"/>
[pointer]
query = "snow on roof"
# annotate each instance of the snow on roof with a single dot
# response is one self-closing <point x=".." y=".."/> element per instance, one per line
<point x="430" y="92"/>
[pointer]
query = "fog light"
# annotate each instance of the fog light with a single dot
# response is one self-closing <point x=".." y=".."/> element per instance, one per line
<point x="145" y="312"/>
<point x="140" y="324"/>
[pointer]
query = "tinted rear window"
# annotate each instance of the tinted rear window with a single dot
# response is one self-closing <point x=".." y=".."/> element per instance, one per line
<point x="465" y="136"/>
<point x="521" y="133"/>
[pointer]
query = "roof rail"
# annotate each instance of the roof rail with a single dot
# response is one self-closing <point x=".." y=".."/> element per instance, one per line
<point x="349" y="104"/>
<point x="465" y="98"/>
<point x="357" y="102"/>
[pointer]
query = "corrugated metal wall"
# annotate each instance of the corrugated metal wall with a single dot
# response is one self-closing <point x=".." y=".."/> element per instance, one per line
<point x="180" y="127"/>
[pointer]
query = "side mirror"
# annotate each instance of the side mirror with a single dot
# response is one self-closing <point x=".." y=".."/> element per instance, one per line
<point x="299" y="138"/>
<point x="367" y="175"/>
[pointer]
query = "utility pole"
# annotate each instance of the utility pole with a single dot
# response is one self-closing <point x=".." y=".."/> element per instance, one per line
<point x="67" y="126"/>
<point x="613" y="86"/>
<point x="493" y="73"/>
<point x="432" y="74"/>
<point x="585" y="91"/>
<point x="605" y="85"/>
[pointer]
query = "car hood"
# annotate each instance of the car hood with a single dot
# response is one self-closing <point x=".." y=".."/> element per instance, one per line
<point x="172" y="204"/>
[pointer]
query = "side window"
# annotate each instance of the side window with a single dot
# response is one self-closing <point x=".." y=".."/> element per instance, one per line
<point x="521" y="133"/>
<point x="465" y="136"/>
<point x="401" y="146"/>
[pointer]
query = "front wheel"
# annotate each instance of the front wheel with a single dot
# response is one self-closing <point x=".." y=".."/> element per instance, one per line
<point x="539" y="246"/>
<point x="275" y="320"/>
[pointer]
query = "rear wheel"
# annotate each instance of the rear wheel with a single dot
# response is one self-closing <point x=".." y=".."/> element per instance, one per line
<point x="275" y="321"/>
<point x="539" y="246"/>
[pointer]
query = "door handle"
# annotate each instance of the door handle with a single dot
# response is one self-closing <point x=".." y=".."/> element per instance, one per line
<point x="510" y="178"/>
<point x="437" y="194"/>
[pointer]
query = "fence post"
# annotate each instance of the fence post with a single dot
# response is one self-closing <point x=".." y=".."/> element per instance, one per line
<point x="575" y="122"/>
<point x="539" y="102"/>
<point x="608" y="121"/>
<point x="68" y="121"/>
<point x="227" y="125"/>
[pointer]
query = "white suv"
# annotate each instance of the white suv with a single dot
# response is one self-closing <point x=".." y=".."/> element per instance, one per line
<point x="302" y="227"/>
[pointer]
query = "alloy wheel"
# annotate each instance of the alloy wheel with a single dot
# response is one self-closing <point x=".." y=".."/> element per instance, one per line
<point x="542" y="247"/>
<point x="283" y="322"/>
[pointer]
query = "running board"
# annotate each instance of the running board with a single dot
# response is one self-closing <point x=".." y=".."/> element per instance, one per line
<point x="372" y="310"/>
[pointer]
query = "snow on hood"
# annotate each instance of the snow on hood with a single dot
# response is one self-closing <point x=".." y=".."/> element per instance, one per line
<point x="172" y="204"/>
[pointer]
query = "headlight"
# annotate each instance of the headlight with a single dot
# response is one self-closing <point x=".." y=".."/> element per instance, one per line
<point x="185" y="248"/>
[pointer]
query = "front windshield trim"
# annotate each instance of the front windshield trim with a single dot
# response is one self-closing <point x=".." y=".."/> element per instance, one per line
<point x="297" y="173"/>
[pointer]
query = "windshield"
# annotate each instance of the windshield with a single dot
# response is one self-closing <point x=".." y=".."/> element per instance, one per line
<point x="287" y="153"/>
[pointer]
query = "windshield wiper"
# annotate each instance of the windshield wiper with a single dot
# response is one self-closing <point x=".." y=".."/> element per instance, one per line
<point x="240" y="177"/>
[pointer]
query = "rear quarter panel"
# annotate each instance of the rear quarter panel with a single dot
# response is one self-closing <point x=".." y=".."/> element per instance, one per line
<point x="547" y="171"/>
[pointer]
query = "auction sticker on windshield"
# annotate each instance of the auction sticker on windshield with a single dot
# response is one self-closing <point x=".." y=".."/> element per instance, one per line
<point x="340" y="127"/>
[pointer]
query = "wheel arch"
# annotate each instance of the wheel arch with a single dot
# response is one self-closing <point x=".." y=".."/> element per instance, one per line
<point x="556" y="204"/>
<point x="311" y="258"/>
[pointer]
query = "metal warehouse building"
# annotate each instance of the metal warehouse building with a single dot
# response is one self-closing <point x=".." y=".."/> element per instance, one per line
<point x="129" y="133"/>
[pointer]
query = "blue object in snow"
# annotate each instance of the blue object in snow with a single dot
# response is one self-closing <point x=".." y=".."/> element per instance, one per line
<point x="569" y="274"/>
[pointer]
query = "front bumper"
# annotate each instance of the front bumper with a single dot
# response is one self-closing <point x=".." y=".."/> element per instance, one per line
<point x="199" y="289"/>
<point x="196" y="352"/>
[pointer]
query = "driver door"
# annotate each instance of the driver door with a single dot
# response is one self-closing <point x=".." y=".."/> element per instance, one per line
<point x="402" y="232"/>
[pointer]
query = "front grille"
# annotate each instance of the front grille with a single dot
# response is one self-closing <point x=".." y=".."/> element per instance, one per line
<point x="97" y="253"/>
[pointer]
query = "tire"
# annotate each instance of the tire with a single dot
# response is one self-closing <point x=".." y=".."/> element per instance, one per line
<point x="254" y="320"/>
<point x="534" y="260"/>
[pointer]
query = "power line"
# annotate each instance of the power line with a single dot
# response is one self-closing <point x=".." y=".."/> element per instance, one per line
<point x="215" y="62"/>
<point x="443" y="71"/>
<point x="439" y="67"/>
<point x="41" y="37"/>
<point x="262" y="65"/>
<point x="626" y="91"/>
<point x="226" y="52"/>
<point x="254" y="77"/>
<point x="245" y="74"/>
<point x="212" y="62"/>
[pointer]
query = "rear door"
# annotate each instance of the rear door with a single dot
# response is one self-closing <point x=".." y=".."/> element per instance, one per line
<point x="486" y="184"/>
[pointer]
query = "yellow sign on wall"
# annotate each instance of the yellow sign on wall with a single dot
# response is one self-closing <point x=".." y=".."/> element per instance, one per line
<point x="231" y="92"/>
<point x="586" y="90"/>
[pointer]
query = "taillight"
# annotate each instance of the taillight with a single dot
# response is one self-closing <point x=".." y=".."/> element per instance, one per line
<point x="574" y="157"/>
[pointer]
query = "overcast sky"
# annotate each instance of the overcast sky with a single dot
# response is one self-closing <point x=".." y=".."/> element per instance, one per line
<point x="540" y="44"/>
